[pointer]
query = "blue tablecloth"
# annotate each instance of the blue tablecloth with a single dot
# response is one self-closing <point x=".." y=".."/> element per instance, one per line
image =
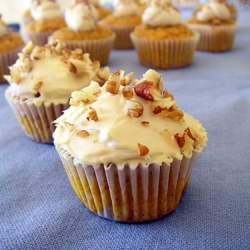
<point x="39" y="210"/>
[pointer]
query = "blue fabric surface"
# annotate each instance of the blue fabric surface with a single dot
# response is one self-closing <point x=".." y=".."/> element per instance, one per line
<point x="39" y="210"/>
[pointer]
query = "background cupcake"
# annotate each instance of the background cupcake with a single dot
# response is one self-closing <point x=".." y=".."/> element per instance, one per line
<point x="47" y="17"/>
<point x="84" y="32"/>
<point x="41" y="82"/>
<point x="117" y="171"/>
<point x="162" y="41"/>
<point x="215" y="25"/>
<point x="125" y="17"/>
<point x="10" y="44"/>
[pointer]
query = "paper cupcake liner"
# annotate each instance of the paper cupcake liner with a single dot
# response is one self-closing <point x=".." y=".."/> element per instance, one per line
<point x="130" y="195"/>
<point x="215" y="38"/>
<point x="38" y="38"/>
<point x="7" y="59"/>
<point x="165" y="54"/>
<point x="98" y="49"/>
<point x="123" y="40"/>
<point x="36" y="121"/>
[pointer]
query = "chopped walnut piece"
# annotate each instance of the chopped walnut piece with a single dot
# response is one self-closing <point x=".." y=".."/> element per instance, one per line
<point x="102" y="75"/>
<point x="145" y="123"/>
<point x="92" y="115"/>
<point x="15" y="74"/>
<point x="142" y="150"/>
<point x="83" y="133"/>
<point x="185" y="140"/>
<point x="135" y="109"/>
<point x="28" y="48"/>
<point x="72" y="68"/>
<point x="38" y="86"/>
<point x="146" y="90"/>
<point x="154" y="77"/>
<point x="126" y="80"/>
<point x="166" y="94"/>
<point x="66" y="53"/>
<point x="113" y="83"/>
<point x="69" y="126"/>
<point x="127" y="92"/>
<point x="180" y="139"/>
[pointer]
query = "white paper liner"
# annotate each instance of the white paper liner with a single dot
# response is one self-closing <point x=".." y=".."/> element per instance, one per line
<point x="215" y="38"/>
<point x="98" y="49"/>
<point x="167" y="53"/>
<point x="7" y="59"/>
<point x="130" y="195"/>
<point x="36" y="121"/>
<point x="38" y="38"/>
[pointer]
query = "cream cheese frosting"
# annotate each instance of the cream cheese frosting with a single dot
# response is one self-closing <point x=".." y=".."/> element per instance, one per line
<point x="3" y="27"/>
<point x="81" y="16"/>
<point x="48" y="74"/>
<point x="161" y="13"/>
<point x="45" y="9"/>
<point x="123" y="8"/>
<point x="213" y="9"/>
<point x="123" y="125"/>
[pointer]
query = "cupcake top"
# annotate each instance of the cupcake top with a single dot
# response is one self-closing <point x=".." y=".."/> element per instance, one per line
<point x="161" y="13"/>
<point x="124" y="124"/>
<point x="124" y="8"/>
<point x="81" y="16"/>
<point x="45" y="9"/>
<point x="48" y="74"/>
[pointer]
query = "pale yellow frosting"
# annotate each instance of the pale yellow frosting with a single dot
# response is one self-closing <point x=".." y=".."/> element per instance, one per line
<point x="123" y="8"/>
<point x="120" y="124"/>
<point x="213" y="9"/>
<point x="81" y="16"/>
<point x="45" y="9"/>
<point x="48" y="74"/>
<point x="161" y="13"/>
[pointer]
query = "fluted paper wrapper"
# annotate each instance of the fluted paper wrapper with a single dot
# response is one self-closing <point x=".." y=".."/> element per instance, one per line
<point x="215" y="38"/>
<point x="36" y="121"/>
<point x="167" y="53"/>
<point x="99" y="49"/>
<point x="37" y="38"/>
<point x="130" y="195"/>
<point x="7" y="59"/>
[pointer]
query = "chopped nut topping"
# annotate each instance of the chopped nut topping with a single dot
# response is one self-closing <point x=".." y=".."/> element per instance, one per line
<point x="166" y="94"/>
<point x="127" y="92"/>
<point x="142" y="150"/>
<point x="113" y="83"/>
<point x="145" y="123"/>
<point x="126" y="80"/>
<point x="72" y="68"/>
<point x="146" y="90"/>
<point x="83" y="133"/>
<point x="102" y="75"/>
<point x="15" y="74"/>
<point x="69" y="126"/>
<point x="38" y="86"/>
<point x="135" y="109"/>
<point x="185" y="140"/>
<point x="92" y="115"/>
<point x="28" y="48"/>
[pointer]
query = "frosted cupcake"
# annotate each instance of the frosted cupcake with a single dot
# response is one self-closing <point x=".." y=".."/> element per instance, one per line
<point x="41" y="82"/>
<point x="215" y="25"/>
<point x="11" y="43"/>
<point x="47" y="17"/>
<point x="162" y="40"/>
<point x="125" y="17"/>
<point x="117" y="171"/>
<point x="83" y="31"/>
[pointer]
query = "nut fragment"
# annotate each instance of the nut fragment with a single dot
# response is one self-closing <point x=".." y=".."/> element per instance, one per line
<point x="28" y="48"/>
<point x="92" y="115"/>
<point x="102" y="75"/>
<point x="15" y="74"/>
<point x="37" y="86"/>
<point x="146" y="90"/>
<point x="72" y="68"/>
<point x="142" y="150"/>
<point x="112" y="87"/>
<point x="145" y="123"/>
<point x="135" y="109"/>
<point x="127" y="92"/>
<point x="126" y="80"/>
<point x="83" y="133"/>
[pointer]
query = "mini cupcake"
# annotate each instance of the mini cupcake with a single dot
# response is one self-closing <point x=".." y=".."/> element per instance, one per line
<point x="84" y="32"/>
<point x="47" y="17"/>
<point x="41" y="82"/>
<point x="117" y="171"/>
<point x="11" y="43"/>
<point x="162" y="41"/>
<point x="125" y="17"/>
<point x="215" y="25"/>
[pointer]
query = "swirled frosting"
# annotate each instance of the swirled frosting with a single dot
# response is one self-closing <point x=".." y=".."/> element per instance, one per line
<point x="48" y="74"/>
<point x="121" y="124"/>
<point x="212" y="9"/>
<point x="3" y="27"/>
<point x="161" y="13"/>
<point x="123" y="8"/>
<point x="45" y="9"/>
<point x="81" y="16"/>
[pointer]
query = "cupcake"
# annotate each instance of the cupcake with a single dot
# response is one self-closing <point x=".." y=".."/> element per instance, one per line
<point x="41" y="82"/>
<point x="215" y="25"/>
<point x="115" y="170"/>
<point x="47" y="17"/>
<point x="11" y="43"/>
<point x="162" y="40"/>
<point x="83" y="31"/>
<point x="125" y="17"/>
